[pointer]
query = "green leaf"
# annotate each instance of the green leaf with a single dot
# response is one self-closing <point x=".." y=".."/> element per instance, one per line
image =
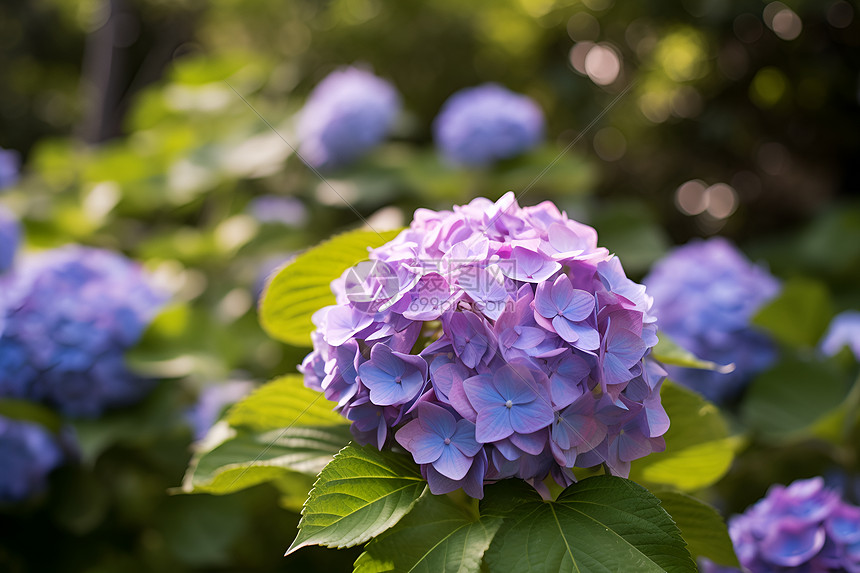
<point x="281" y="403"/>
<point x="437" y="536"/>
<point x="30" y="412"/>
<point x="669" y="352"/>
<point x="792" y="396"/>
<point x="799" y="315"/>
<point x="246" y="458"/>
<point x="303" y="286"/>
<point x="701" y="526"/>
<point x="602" y="523"/>
<point x="360" y="494"/>
<point x="699" y="450"/>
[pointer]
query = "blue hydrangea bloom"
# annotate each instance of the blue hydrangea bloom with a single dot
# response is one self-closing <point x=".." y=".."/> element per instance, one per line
<point x="28" y="453"/>
<point x="70" y="314"/>
<point x="10" y="237"/>
<point x="844" y="330"/>
<point x="346" y="115"/>
<point x="10" y="166"/>
<point x="801" y="527"/>
<point x="501" y="342"/>
<point x="481" y="125"/>
<point x="705" y="294"/>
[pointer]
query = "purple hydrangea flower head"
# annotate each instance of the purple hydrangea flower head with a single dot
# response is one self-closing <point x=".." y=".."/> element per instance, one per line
<point x="844" y="330"/>
<point x="70" y="314"/>
<point x="801" y="527"/>
<point x="10" y="237"/>
<point x="28" y="453"/>
<point x="10" y="166"/>
<point x="481" y="125"/>
<point x="705" y="294"/>
<point x="508" y="345"/>
<point x="347" y="114"/>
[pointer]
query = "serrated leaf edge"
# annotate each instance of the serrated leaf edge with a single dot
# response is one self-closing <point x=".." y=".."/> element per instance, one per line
<point x="293" y="547"/>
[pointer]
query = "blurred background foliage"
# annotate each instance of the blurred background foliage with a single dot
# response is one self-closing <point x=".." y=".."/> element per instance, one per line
<point x="149" y="127"/>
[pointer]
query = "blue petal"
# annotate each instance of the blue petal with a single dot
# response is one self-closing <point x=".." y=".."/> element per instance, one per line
<point x="481" y="392"/>
<point x="531" y="417"/>
<point x="452" y="463"/>
<point x="494" y="423"/>
<point x="790" y="543"/>
<point x="436" y="420"/>
<point x="580" y="306"/>
<point x="464" y="438"/>
<point x="427" y="448"/>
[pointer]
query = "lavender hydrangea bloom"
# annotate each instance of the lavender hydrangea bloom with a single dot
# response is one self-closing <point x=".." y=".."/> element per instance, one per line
<point x="10" y="236"/>
<point x="10" y="165"/>
<point x="211" y="403"/>
<point x="844" y="330"/>
<point x="705" y="294"/>
<point x="28" y="453"/>
<point x="278" y="209"/>
<point x="347" y="114"/>
<point x="801" y="527"/>
<point x="480" y="125"/>
<point x="510" y="345"/>
<point x="70" y="314"/>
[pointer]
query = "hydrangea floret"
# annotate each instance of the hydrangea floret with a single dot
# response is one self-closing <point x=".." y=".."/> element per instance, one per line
<point x="346" y="115"/>
<point x="10" y="237"/>
<point x="481" y="125"/>
<point x="278" y="210"/>
<point x="705" y="294"/>
<point x="212" y="401"/>
<point x="801" y="527"/>
<point x="844" y="331"/>
<point x="29" y="453"/>
<point x="10" y="167"/>
<point x="493" y="341"/>
<point x="70" y="314"/>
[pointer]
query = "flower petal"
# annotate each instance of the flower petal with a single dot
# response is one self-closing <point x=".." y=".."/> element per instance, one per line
<point x="493" y="423"/>
<point x="452" y="463"/>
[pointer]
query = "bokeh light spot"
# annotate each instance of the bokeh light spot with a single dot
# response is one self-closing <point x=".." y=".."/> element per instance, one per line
<point x="787" y="24"/>
<point x="773" y="158"/>
<point x="722" y="200"/>
<point x="583" y="26"/>
<point x="681" y="54"/>
<point x="747" y="28"/>
<point x="610" y="144"/>
<point x="577" y="55"/>
<point x="733" y="60"/>
<point x="687" y="102"/>
<point x="602" y="64"/>
<point x="840" y="14"/>
<point x="598" y="5"/>
<point x="768" y="87"/>
<point x="656" y="105"/>
<point x="690" y="197"/>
